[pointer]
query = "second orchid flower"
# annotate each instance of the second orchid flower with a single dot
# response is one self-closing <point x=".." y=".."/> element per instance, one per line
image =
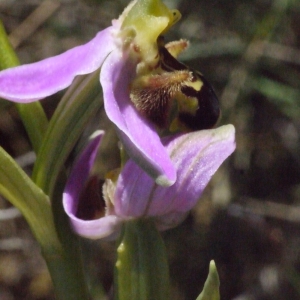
<point x="196" y="157"/>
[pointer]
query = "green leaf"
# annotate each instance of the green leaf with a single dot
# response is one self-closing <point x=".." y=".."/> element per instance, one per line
<point x="211" y="286"/>
<point x="35" y="122"/>
<point x="8" y="58"/>
<point x="64" y="263"/>
<point x="19" y="189"/>
<point x="32" y="114"/>
<point x="76" y="108"/>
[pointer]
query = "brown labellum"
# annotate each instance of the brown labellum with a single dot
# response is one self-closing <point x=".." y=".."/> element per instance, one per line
<point x="198" y="105"/>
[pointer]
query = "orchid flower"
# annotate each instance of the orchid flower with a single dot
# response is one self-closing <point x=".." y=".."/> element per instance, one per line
<point x="196" y="157"/>
<point x="123" y="51"/>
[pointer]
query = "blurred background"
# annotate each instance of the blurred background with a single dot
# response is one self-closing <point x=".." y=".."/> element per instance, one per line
<point x="248" y="219"/>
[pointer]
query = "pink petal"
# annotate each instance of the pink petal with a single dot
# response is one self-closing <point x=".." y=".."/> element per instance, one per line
<point x="196" y="156"/>
<point x="138" y="135"/>
<point x="94" y="229"/>
<point x="28" y="83"/>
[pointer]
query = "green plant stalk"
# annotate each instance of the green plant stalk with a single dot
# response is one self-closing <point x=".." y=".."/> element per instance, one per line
<point x="78" y="105"/>
<point x="19" y="189"/>
<point x="67" y="268"/>
<point x="60" y="247"/>
<point x="32" y="114"/>
<point x="141" y="271"/>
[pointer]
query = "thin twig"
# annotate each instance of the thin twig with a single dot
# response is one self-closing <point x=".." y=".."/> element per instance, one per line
<point x="280" y="211"/>
<point x="33" y="21"/>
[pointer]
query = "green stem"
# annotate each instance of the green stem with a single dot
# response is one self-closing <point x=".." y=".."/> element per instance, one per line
<point x="66" y="269"/>
<point x="64" y="275"/>
<point x="75" y="109"/>
<point x="60" y="247"/>
<point x="32" y="114"/>
<point x="141" y="268"/>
